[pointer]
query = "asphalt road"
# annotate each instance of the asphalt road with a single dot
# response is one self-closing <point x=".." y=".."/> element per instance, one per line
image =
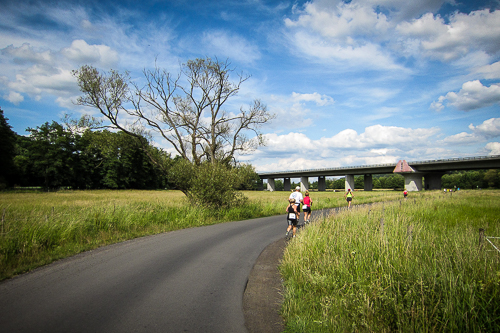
<point x="190" y="280"/>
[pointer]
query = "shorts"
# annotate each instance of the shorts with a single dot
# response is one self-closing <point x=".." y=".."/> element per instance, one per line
<point x="293" y="222"/>
<point x="307" y="210"/>
<point x="298" y="207"/>
<point x="349" y="198"/>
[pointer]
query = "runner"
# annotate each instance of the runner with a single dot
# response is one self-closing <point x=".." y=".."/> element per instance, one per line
<point x="348" y="196"/>
<point x="292" y="217"/>
<point x="297" y="196"/>
<point x="307" y="208"/>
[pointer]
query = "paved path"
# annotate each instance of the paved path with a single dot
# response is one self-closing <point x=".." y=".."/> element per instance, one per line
<point x="183" y="281"/>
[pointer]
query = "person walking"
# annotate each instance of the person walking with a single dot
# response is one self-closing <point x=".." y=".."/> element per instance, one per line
<point x="297" y="196"/>
<point x="307" y="207"/>
<point x="405" y="193"/>
<point x="292" y="218"/>
<point x="348" y="196"/>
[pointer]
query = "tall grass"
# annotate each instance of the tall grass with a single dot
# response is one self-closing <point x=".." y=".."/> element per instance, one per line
<point x="410" y="266"/>
<point x="39" y="228"/>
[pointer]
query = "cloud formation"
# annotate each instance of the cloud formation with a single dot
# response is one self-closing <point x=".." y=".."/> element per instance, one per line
<point x="472" y="96"/>
<point x="351" y="82"/>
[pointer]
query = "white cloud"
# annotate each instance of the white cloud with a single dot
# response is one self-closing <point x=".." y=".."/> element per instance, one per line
<point x="49" y="72"/>
<point x="367" y="56"/>
<point x="38" y="80"/>
<point x="493" y="147"/>
<point x="26" y="54"/>
<point x="473" y="95"/>
<point x="81" y="53"/>
<point x="489" y="128"/>
<point x="378" y="135"/>
<point x="361" y="30"/>
<point x="378" y="139"/>
<point x="14" y="97"/>
<point x="463" y="138"/>
<point x="479" y="30"/>
<point x="320" y="100"/>
<point x="341" y="22"/>
<point x="489" y="71"/>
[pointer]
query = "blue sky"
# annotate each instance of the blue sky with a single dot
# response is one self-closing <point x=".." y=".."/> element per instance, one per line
<point x="351" y="82"/>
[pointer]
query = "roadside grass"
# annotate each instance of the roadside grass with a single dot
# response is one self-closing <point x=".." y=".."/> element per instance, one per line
<point x="39" y="227"/>
<point x="410" y="265"/>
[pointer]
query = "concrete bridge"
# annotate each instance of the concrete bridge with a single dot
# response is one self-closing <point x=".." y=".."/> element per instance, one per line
<point x="431" y="171"/>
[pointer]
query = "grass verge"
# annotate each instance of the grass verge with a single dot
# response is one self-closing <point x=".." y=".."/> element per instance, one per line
<point x="38" y="228"/>
<point x="406" y="266"/>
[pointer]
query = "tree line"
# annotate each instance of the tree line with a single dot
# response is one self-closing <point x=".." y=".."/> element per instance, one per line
<point x="379" y="182"/>
<point x="55" y="156"/>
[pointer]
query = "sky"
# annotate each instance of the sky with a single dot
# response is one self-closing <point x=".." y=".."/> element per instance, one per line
<point x="351" y="83"/>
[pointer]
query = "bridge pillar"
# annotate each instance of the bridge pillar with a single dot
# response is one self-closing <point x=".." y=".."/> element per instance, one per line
<point x="413" y="181"/>
<point x="270" y="184"/>
<point x="321" y="183"/>
<point x="304" y="184"/>
<point x="349" y="182"/>
<point x="368" y="179"/>
<point x="432" y="181"/>
<point x="260" y="185"/>
<point x="287" y="185"/>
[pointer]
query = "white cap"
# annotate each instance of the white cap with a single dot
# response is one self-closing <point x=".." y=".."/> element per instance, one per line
<point x="297" y="188"/>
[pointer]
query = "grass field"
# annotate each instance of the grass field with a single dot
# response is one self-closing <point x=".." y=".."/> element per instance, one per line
<point x="406" y="266"/>
<point x="38" y="227"/>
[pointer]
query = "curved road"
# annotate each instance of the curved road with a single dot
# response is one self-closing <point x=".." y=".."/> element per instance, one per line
<point x="190" y="280"/>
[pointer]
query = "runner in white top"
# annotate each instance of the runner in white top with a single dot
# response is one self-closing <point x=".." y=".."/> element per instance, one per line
<point x="297" y="196"/>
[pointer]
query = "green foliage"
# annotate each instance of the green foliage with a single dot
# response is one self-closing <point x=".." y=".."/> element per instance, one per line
<point x="208" y="184"/>
<point x="492" y="177"/>
<point x="248" y="179"/>
<point x="468" y="179"/>
<point x="391" y="181"/>
<point x="379" y="182"/>
<point x="53" y="157"/>
<point x="7" y="151"/>
<point x="50" y="157"/>
<point x="119" y="162"/>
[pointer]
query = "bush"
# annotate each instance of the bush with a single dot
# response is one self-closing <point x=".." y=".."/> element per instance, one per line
<point x="209" y="184"/>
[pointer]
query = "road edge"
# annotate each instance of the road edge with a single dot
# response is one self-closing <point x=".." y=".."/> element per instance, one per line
<point x="263" y="294"/>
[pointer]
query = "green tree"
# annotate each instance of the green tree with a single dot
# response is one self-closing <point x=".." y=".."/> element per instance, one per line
<point x="395" y="181"/>
<point x="279" y="185"/>
<point x="492" y="177"/>
<point x="50" y="157"/>
<point x="339" y="184"/>
<point x="7" y="151"/>
<point x="117" y="160"/>
<point x="248" y="179"/>
<point x="359" y="182"/>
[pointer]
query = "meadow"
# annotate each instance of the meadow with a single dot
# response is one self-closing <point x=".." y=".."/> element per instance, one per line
<point x="39" y="227"/>
<point x="415" y="265"/>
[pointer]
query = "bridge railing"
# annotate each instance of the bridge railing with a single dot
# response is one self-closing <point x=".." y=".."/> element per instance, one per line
<point x="384" y="165"/>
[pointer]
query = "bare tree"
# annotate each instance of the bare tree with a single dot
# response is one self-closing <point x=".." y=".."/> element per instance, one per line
<point x="190" y="116"/>
<point x="189" y="111"/>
